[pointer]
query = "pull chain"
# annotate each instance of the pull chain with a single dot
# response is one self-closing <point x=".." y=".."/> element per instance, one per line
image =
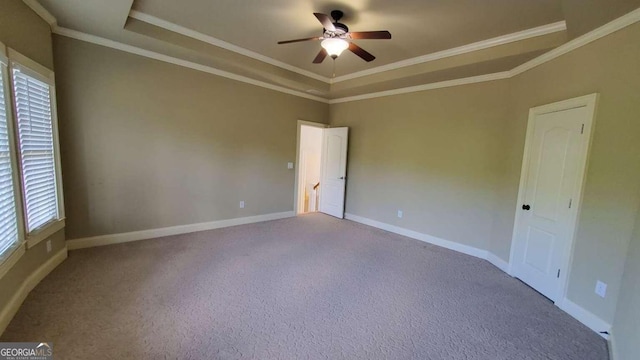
<point x="334" y="68"/>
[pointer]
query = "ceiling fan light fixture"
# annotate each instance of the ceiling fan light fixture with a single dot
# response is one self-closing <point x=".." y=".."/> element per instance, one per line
<point x="335" y="46"/>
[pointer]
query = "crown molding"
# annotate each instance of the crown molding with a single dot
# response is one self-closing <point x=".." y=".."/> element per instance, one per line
<point x="42" y="12"/>
<point x="432" y="86"/>
<point x="180" y="62"/>
<point x="480" y="45"/>
<point x="497" y="41"/>
<point x="604" y="30"/>
<point x="222" y="44"/>
<point x="609" y="28"/>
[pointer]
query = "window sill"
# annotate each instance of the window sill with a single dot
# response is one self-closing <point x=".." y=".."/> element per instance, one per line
<point x="10" y="258"/>
<point x="45" y="232"/>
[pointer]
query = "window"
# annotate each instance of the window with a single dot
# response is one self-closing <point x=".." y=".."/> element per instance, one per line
<point x="8" y="213"/>
<point x="34" y="122"/>
<point x="31" y="207"/>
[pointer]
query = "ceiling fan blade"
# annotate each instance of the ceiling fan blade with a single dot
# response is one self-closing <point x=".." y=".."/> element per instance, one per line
<point x="366" y="56"/>
<point x="325" y="20"/>
<point x="383" y="34"/>
<point x="298" y="40"/>
<point x="320" y="57"/>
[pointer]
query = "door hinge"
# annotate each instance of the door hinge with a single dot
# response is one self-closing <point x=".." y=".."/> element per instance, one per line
<point x="558" y="273"/>
<point x="570" y="202"/>
<point x="582" y="129"/>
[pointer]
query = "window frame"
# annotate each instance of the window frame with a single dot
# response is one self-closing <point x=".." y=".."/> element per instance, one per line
<point x="43" y="74"/>
<point x="12" y="254"/>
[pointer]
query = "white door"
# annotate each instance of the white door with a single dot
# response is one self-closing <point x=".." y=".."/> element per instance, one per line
<point x="334" y="171"/>
<point x="550" y="193"/>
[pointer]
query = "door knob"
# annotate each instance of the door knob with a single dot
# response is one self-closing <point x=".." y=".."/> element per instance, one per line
<point x="341" y="178"/>
<point x="526" y="207"/>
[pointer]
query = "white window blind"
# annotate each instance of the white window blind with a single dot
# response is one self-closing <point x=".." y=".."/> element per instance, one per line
<point x="8" y="220"/>
<point x="35" y="135"/>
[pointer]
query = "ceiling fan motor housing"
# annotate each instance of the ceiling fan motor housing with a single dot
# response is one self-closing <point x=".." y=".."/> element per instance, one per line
<point x="341" y="30"/>
<point x="336" y="38"/>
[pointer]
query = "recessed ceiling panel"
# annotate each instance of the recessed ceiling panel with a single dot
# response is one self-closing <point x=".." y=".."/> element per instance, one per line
<point x="418" y="27"/>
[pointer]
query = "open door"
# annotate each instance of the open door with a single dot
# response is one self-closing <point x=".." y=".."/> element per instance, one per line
<point x="334" y="171"/>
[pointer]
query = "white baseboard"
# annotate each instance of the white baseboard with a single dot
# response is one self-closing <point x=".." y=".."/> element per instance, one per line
<point x="611" y="346"/>
<point x="27" y="285"/>
<point x="465" y="249"/>
<point x="498" y="262"/>
<point x="587" y="318"/>
<point x="168" y="231"/>
<point x="584" y="316"/>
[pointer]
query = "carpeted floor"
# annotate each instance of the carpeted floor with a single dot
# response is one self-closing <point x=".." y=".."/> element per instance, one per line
<point x="311" y="287"/>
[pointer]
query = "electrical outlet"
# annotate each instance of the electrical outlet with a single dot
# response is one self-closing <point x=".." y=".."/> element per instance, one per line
<point x="242" y="204"/>
<point x="48" y="246"/>
<point x="400" y="213"/>
<point x="289" y="165"/>
<point x="601" y="289"/>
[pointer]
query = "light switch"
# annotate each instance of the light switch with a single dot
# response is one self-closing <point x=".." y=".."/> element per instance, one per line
<point x="289" y="165"/>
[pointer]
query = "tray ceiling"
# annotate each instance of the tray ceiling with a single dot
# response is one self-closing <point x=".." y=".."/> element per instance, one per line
<point x="240" y="37"/>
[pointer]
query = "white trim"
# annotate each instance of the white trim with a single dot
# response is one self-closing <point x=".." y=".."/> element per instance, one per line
<point x="587" y="318"/>
<point x="615" y="25"/>
<point x="13" y="153"/>
<point x="497" y="261"/>
<point x="11" y="257"/>
<point x="46" y="75"/>
<point x="297" y="164"/>
<point x="609" y="28"/>
<point x="451" y="245"/>
<point x="42" y="12"/>
<point x="222" y="44"/>
<point x="480" y="45"/>
<point x="590" y="102"/>
<point x="612" y="346"/>
<point x="110" y="239"/>
<point x="184" y="63"/>
<point x="10" y="310"/>
<point x="57" y="154"/>
<point x="465" y="249"/>
<point x="431" y="86"/>
<point x="30" y="67"/>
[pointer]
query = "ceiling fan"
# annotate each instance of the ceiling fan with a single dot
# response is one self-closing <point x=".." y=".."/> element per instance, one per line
<point x="336" y="38"/>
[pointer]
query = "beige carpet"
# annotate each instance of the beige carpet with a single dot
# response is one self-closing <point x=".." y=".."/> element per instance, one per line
<point x="311" y="287"/>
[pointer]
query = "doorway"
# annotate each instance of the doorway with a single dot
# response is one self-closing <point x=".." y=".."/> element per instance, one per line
<point x="308" y="170"/>
<point x="550" y="195"/>
<point x="321" y="171"/>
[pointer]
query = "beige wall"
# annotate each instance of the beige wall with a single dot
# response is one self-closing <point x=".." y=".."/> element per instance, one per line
<point x="608" y="66"/>
<point x="29" y="262"/>
<point x="193" y="145"/>
<point x="22" y="30"/>
<point x="626" y="327"/>
<point x="434" y="155"/>
<point x="451" y="159"/>
<point x="583" y="16"/>
<point x="146" y="144"/>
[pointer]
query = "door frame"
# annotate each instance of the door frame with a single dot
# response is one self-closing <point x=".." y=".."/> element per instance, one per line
<point x="591" y="104"/>
<point x="296" y="188"/>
